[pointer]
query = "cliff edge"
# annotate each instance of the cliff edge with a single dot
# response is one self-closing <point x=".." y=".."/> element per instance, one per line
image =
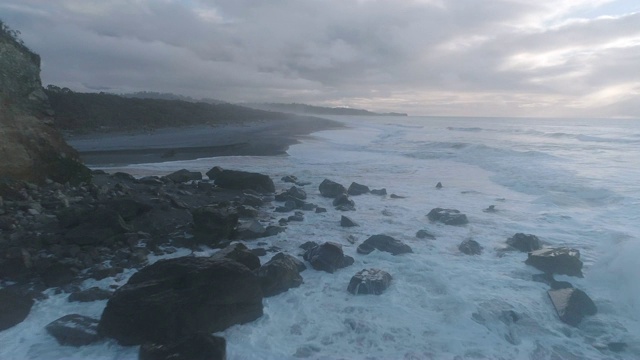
<point x="31" y="149"/>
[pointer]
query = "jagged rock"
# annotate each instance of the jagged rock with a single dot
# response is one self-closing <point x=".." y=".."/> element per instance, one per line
<point x="296" y="193"/>
<point x="320" y="210"/>
<point x="331" y="189"/>
<point x="211" y="224"/>
<point x="369" y="281"/>
<point x="308" y="206"/>
<point x="308" y="245"/>
<point x="562" y="260"/>
<point x="424" y="234"/>
<point x="343" y="202"/>
<point x="279" y="274"/>
<point x="194" y="347"/>
<point x="246" y="211"/>
<point x="238" y="252"/>
<point x="184" y="175"/>
<point x="383" y="243"/>
<point x="288" y="206"/>
<point x="57" y="274"/>
<point x="470" y="247"/>
<point x="128" y="207"/>
<point x="97" y="226"/>
<point x="572" y="305"/>
<point x="15" y="308"/>
<point x="241" y="180"/>
<point x="273" y="230"/>
<point x="91" y="294"/>
<point x="74" y="330"/>
<point x="447" y="216"/>
<point x="381" y="192"/>
<point x="328" y="257"/>
<point x="252" y="200"/>
<point x="490" y="209"/>
<point x="347" y="222"/>
<point x="289" y="179"/>
<point x="524" y="242"/>
<point x="213" y="172"/>
<point x="175" y="298"/>
<point x="119" y="175"/>
<point x="251" y="229"/>
<point x="299" y="216"/>
<point x="357" y="189"/>
<point x="439" y="185"/>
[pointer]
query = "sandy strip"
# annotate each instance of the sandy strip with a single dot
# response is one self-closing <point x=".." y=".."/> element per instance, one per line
<point x="258" y="138"/>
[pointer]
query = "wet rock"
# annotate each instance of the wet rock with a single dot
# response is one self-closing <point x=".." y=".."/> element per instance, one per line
<point x="357" y="189"/>
<point x="524" y="242"/>
<point x="380" y="192"/>
<point x="448" y="216"/>
<point x="470" y="247"/>
<point x="92" y="294"/>
<point x="289" y="179"/>
<point x="490" y="209"/>
<point x="394" y="196"/>
<point x="383" y="243"/>
<point x="308" y="245"/>
<point x="298" y="216"/>
<point x="572" y="305"/>
<point x="273" y="230"/>
<point x="74" y="330"/>
<point x="128" y="207"/>
<point x="439" y="185"/>
<point x="57" y="274"/>
<point x="296" y="192"/>
<point x="279" y="274"/>
<point x="96" y="227"/>
<point x="249" y="230"/>
<point x="288" y="206"/>
<point x="184" y="175"/>
<point x="424" y="234"/>
<point x="213" y="172"/>
<point x="252" y="200"/>
<point x="347" y="222"/>
<point x="238" y="252"/>
<point x="343" y="202"/>
<point x="150" y="180"/>
<point x="369" y="281"/>
<point x="194" y="347"/>
<point x="548" y="279"/>
<point x="211" y="224"/>
<point x="565" y="261"/>
<point x="15" y="308"/>
<point x="320" y="210"/>
<point x="331" y="189"/>
<point x="175" y="298"/>
<point x="328" y="257"/>
<point x="241" y="180"/>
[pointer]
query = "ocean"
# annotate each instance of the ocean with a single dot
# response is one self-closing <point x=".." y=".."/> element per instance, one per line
<point x="570" y="182"/>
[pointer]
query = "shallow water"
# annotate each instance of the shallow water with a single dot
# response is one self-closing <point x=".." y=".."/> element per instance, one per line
<point x="570" y="182"/>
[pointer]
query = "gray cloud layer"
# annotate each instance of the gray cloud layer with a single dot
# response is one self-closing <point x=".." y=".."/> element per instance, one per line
<point x="432" y="57"/>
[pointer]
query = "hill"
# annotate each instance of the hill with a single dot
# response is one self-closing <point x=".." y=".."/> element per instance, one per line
<point x="317" y="110"/>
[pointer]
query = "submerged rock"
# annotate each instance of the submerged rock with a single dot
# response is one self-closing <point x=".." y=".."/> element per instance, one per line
<point x="328" y="257"/>
<point x="380" y="192"/>
<point x="175" y="298"/>
<point x="342" y="202"/>
<point x="331" y="189"/>
<point x="74" y="330"/>
<point x="524" y="242"/>
<point x="280" y="274"/>
<point x="572" y="305"/>
<point x="383" y="243"/>
<point x="424" y="234"/>
<point x="470" y="247"/>
<point x="562" y="260"/>
<point x="194" y="347"/>
<point x="448" y="216"/>
<point x="369" y="281"/>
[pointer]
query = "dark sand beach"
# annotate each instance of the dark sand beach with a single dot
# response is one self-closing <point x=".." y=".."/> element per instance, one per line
<point x="269" y="138"/>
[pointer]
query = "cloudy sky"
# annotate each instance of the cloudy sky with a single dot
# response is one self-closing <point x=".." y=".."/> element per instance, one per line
<point x="573" y="58"/>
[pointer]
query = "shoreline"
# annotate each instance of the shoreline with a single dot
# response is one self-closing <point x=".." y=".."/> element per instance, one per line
<point x="266" y="138"/>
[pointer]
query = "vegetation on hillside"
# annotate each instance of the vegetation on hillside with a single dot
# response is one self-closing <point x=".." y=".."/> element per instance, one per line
<point x="7" y="34"/>
<point x="88" y="112"/>
<point x="318" y="110"/>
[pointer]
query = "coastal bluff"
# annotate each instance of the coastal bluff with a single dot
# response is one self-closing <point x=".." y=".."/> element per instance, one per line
<point x="31" y="149"/>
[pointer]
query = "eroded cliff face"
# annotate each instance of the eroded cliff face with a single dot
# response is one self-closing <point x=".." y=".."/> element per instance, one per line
<point x="31" y="149"/>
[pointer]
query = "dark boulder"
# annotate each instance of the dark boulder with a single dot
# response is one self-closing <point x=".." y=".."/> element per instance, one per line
<point x="328" y="257"/>
<point x="320" y="210"/>
<point x="74" y="330"/>
<point x="439" y="185"/>
<point x="572" y="305"/>
<point x="175" y="298"/>
<point x="288" y="206"/>
<point x="296" y="192"/>
<point x="249" y="230"/>
<point x="91" y="294"/>
<point x="128" y="207"/>
<point x="369" y="281"/>
<point x="562" y="260"/>
<point x="394" y="196"/>
<point x="238" y="252"/>
<point x="524" y="242"/>
<point x="97" y="226"/>
<point x="331" y="189"/>
<point x="447" y="216"/>
<point x="424" y="234"/>
<point x="347" y="222"/>
<point x="241" y="180"/>
<point x="56" y="274"/>
<point x="194" y="347"/>
<point x="211" y="224"/>
<point x="308" y="245"/>
<point x="15" y="308"/>
<point x="342" y="201"/>
<point x="211" y="174"/>
<point x="279" y="274"/>
<point x="470" y="247"/>
<point x="252" y="200"/>
<point x="357" y="189"/>
<point x="380" y="192"/>
<point x="184" y="175"/>
<point x="289" y="179"/>
<point x="383" y="243"/>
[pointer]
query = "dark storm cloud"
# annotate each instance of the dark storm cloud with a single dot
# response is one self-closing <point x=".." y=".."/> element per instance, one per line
<point x="466" y="57"/>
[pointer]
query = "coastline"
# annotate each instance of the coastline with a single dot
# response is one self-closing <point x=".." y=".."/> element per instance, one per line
<point x="266" y="138"/>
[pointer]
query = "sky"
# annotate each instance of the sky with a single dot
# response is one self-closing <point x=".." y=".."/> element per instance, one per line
<point x="543" y="58"/>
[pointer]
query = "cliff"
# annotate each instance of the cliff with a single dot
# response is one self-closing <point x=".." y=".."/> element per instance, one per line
<point x="31" y="149"/>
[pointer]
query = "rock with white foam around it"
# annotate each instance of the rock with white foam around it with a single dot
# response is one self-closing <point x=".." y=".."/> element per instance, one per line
<point x="369" y="281"/>
<point x="565" y="261"/>
<point x="448" y="216"/>
<point x="572" y="305"/>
